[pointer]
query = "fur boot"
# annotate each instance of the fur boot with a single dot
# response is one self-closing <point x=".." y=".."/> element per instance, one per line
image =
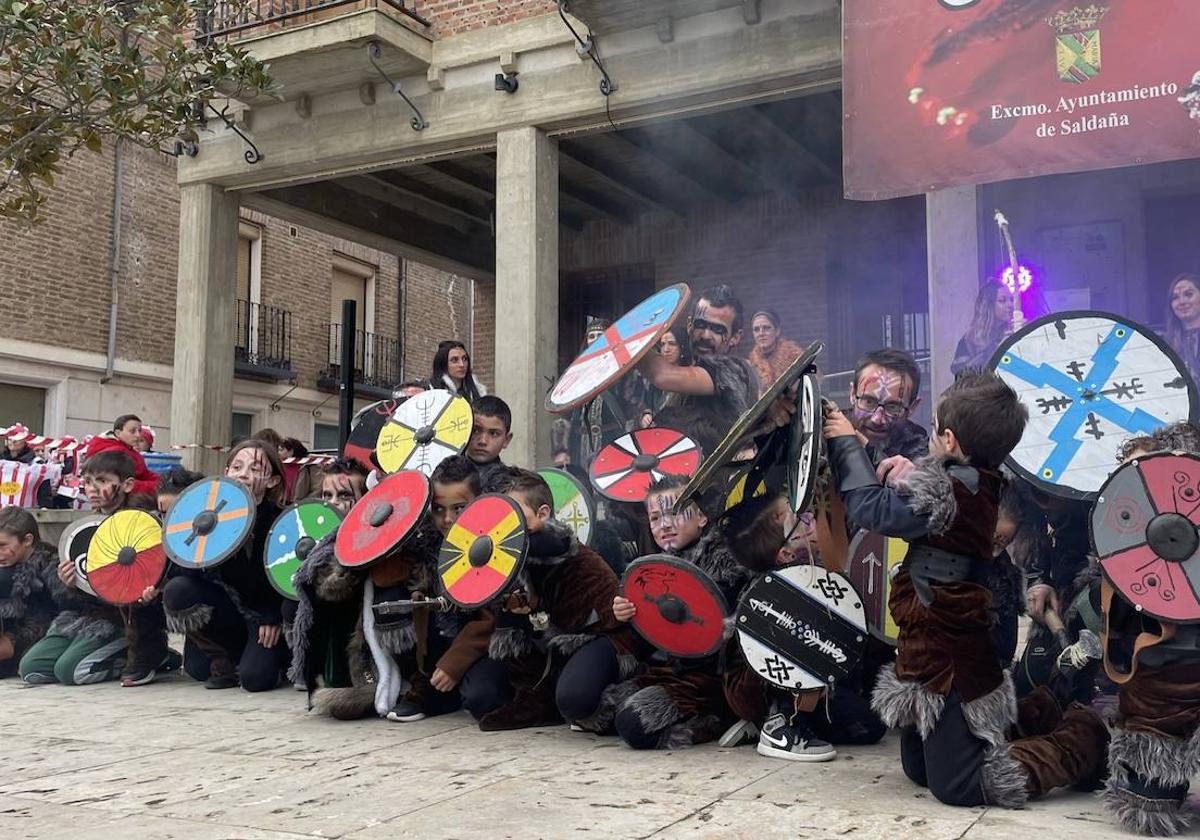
<point x="1148" y="781"/>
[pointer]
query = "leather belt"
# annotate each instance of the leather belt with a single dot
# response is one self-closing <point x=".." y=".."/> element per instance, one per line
<point x="927" y="566"/>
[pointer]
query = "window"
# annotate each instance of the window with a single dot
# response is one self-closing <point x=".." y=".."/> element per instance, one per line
<point x="249" y="286"/>
<point x="355" y="281"/>
<point x="243" y="425"/>
<point x="325" y="436"/>
<point x="23" y="404"/>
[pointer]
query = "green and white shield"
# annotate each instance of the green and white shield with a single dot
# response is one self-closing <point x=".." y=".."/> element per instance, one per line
<point x="573" y="504"/>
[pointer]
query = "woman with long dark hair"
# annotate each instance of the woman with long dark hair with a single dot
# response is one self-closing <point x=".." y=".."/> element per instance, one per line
<point x="1183" y="320"/>
<point x="452" y="371"/>
<point x="991" y="323"/>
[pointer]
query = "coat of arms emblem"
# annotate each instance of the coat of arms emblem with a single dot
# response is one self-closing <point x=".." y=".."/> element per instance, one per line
<point x="1077" y="44"/>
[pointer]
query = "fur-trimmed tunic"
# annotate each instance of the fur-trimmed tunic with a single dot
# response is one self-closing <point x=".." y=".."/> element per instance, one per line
<point x="26" y="601"/>
<point x="707" y="419"/>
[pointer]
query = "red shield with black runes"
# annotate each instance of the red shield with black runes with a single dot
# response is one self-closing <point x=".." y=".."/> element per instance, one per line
<point x="624" y="470"/>
<point x="619" y="349"/>
<point x="680" y="610"/>
<point x="364" y="433"/>
<point x="483" y="551"/>
<point x="382" y="519"/>
<point x="1144" y="528"/>
<point x="735" y="440"/>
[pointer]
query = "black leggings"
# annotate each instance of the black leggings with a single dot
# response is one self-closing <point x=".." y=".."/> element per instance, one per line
<point x="485" y="687"/>
<point x="258" y="667"/>
<point x="950" y="761"/>
<point x="589" y="671"/>
<point x="847" y="719"/>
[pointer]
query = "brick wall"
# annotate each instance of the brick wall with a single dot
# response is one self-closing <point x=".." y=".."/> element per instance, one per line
<point x="437" y="308"/>
<point x="450" y="17"/>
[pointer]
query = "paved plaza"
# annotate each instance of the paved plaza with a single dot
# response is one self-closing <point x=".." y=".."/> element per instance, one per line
<point x="172" y="760"/>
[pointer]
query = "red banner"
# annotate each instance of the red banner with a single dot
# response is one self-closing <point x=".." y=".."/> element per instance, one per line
<point x="941" y="93"/>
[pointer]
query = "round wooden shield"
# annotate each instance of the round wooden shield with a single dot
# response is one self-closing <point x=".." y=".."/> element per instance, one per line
<point x="734" y="440"/>
<point x="483" y="551"/>
<point x="619" y="349"/>
<point x="73" y="546"/>
<point x="381" y="519"/>
<point x="873" y="558"/>
<point x="573" y="505"/>
<point x="801" y="627"/>
<point x="294" y="534"/>
<point x="424" y="431"/>
<point x="736" y="494"/>
<point x="364" y="432"/>
<point x="208" y="523"/>
<point x="624" y="470"/>
<point x="1090" y="380"/>
<point x="804" y="445"/>
<point x="1144" y="527"/>
<point x="680" y="610"/>
<point x="125" y="556"/>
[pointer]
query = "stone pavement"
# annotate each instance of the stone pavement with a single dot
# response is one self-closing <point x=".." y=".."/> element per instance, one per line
<point x="172" y="760"/>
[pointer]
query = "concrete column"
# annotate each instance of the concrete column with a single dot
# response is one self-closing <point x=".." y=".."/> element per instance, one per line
<point x="202" y="388"/>
<point x="526" y="286"/>
<point x="952" y="231"/>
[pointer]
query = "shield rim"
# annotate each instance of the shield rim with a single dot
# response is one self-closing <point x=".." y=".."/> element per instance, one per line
<point x="356" y="421"/>
<point x="161" y="545"/>
<point x="855" y="541"/>
<point x="589" y="502"/>
<point x="803" y="502"/>
<point x="1134" y="464"/>
<point x="420" y="509"/>
<point x="68" y="535"/>
<point x="750" y="417"/>
<point x="706" y="582"/>
<point x="685" y="298"/>
<point x="1059" y="490"/>
<point x="744" y="597"/>
<point x="247" y="529"/>
<point x="400" y="406"/>
<point x="516" y="569"/>
<point x="633" y="436"/>
<point x="292" y="596"/>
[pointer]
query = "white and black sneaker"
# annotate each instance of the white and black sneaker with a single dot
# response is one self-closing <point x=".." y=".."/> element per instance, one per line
<point x="792" y="742"/>
<point x="741" y="733"/>
<point x="406" y="711"/>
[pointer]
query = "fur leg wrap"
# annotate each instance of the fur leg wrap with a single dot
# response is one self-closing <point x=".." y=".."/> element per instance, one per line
<point x="1147" y="781"/>
<point x="345" y="703"/>
<point x="698" y="729"/>
<point x="901" y="703"/>
<point x="189" y="620"/>
<point x="566" y="644"/>
<point x="1005" y="780"/>
<point x="508" y="643"/>
<point x="613" y="697"/>
<point x="991" y="716"/>
<point x="654" y="708"/>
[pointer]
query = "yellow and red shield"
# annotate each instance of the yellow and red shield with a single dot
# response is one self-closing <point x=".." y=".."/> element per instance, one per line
<point x="483" y="551"/>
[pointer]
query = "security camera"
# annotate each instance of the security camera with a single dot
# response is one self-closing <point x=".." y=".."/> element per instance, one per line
<point x="507" y="82"/>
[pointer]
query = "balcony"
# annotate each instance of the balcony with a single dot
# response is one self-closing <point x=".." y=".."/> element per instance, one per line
<point x="263" y="342"/>
<point x="377" y="364"/>
<point x="315" y="46"/>
<point x="605" y="16"/>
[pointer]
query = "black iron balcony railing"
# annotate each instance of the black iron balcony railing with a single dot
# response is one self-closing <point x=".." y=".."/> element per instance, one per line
<point x="263" y="341"/>
<point x="377" y="363"/>
<point x="224" y="18"/>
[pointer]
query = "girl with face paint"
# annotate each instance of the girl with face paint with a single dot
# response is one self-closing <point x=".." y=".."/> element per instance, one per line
<point x="230" y="613"/>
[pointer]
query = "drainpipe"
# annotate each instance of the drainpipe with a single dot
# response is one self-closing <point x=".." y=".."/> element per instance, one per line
<point x="114" y="263"/>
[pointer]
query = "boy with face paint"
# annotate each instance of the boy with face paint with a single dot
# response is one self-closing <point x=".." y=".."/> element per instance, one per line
<point x="124" y="436"/>
<point x="947" y="692"/>
<point x="556" y="646"/>
<point x="680" y="703"/>
<point x="230" y="614"/>
<point x="89" y="641"/>
<point x="28" y="576"/>
<point x="764" y="533"/>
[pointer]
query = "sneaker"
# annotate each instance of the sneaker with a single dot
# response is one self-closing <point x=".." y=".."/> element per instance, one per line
<point x="137" y="678"/>
<point x="792" y="742"/>
<point x="40" y="679"/>
<point x="575" y="727"/>
<point x="406" y="711"/>
<point x="171" y="663"/>
<point x="741" y="733"/>
<point x="219" y="681"/>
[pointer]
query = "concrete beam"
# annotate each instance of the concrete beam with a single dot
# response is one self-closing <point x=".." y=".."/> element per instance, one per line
<point x="372" y="186"/>
<point x="479" y="212"/>
<point x="952" y="232"/>
<point x="794" y="52"/>
<point x="484" y="185"/>
<point x="202" y="383"/>
<point x="762" y="120"/>
<point x="596" y="169"/>
<point x="527" y="286"/>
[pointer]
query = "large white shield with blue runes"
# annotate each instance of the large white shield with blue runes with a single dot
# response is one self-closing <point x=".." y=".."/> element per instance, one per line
<point x="1090" y="381"/>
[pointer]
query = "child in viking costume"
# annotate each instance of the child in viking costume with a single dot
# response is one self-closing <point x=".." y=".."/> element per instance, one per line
<point x="947" y="691"/>
<point x="557" y="621"/>
<point x="231" y="614"/>
<point x="763" y="534"/>
<point x="28" y="576"/>
<point x="679" y="703"/>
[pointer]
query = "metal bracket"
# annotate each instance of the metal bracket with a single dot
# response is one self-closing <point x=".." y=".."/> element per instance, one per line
<point x="275" y="405"/>
<point x="316" y="412"/>
<point x="374" y="51"/>
<point x="252" y="154"/>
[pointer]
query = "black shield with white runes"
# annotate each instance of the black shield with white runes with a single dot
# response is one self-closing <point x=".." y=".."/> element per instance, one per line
<point x="801" y="627"/>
